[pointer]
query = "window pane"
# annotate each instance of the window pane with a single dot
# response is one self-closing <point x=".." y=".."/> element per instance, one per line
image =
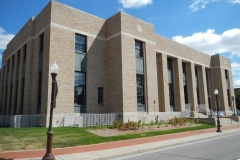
<point x="140" y="89"/>
<point x="80" y="89"/>
<point x="80" y="43"/>
<point x="138" y="49"/>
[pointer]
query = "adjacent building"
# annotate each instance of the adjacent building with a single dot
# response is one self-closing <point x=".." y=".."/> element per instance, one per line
<point x="115" y="65"/>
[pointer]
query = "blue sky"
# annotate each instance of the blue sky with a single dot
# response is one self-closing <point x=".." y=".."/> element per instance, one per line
<point x="211" y="26"/>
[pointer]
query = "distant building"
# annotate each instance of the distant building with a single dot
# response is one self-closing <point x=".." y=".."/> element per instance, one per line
<point x="119" y="65"/>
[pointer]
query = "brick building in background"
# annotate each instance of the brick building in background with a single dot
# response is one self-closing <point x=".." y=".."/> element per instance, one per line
<point x="119" y="65"/>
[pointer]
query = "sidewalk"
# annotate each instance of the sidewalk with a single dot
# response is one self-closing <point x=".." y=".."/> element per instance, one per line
<point x="121" y="148"/>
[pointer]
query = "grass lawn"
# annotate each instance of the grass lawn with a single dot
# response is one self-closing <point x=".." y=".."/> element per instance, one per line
<point x="35" y="138"/>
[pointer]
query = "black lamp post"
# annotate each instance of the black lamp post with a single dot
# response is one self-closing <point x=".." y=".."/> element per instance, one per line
<point x="209" y="103"/>
<point x="233" y="106"/>
<point x="218" y="121"/>
<point x="49" y="155"/>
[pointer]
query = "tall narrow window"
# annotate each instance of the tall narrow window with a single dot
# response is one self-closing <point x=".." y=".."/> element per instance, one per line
<point x="227" y="86"/>
<point x="184" y="68"/>
<point x="100" y="95"/>
<point x="80" y="74"/>
<point x="24" y="52"/>
<point x="16" y="98"/>
<point x="171" y="84"/>
<point x="18" y="58"/>
<point x="40" y="67"/>
<point x="12" y="71"/>
<point x="40" y="52"/>
<point x="10" y="100"/>
<point x="80" y="89"/>
<point x="39" y="99"/>
<point x="138" y="49"/>
<point x="22" y="98"/>
<point x="140" y="89"/>
<point x="140" y="76"/>
<point x="5" y="108"/>
<point x="80" y="43"/>
<point x="197" y="84"/>
<point x="24" y="59"/>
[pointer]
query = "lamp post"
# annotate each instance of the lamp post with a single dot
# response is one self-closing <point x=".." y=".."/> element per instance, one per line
<point x="218" y="121"/>
<point x="209" y="103"/>
<point x="54" y="72"/>
<point x="233" y="106"/>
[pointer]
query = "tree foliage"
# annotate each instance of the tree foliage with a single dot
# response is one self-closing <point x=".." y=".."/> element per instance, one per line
<point x="237" y="98"/>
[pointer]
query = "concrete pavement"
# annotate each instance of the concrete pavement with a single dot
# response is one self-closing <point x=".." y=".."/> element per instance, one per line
<point x="122" y="148"/>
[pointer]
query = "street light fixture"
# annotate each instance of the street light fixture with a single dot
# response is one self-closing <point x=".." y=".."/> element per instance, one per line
<point x="233" y="106"/>
<point x="54" y="72"/>
<point x="218" y="121"/>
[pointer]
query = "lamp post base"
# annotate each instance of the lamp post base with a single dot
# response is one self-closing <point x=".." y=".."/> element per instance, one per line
<point x="218" y="125"/>
<point x="48" y="157"/>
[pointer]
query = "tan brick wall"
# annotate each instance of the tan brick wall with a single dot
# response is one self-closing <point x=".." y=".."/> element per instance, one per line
<point x="62" y="51"/>
<point x="79" y="20"/>
<point x="163" y="90"/>
<point x="151" y="81"/>
<point x="178" y="85"/>
<point x="129" y="75"/>
<point x="96" y="75"/>
<point x="111" y="63"/>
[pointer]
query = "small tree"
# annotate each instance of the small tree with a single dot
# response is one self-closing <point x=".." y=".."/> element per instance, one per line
<point x="237" y="98"/>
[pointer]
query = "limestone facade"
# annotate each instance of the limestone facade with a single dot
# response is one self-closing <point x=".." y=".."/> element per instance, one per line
<point x="111" y="64"/>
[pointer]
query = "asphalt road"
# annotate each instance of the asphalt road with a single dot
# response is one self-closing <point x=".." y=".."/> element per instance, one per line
<point x="220" y="148"/>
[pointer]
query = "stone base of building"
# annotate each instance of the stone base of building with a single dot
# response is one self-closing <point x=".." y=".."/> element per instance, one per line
<point x="150" y="116"/>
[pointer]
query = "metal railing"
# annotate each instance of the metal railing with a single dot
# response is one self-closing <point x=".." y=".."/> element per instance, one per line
<point x="19" y="121"/>
<point x="74" y="120"/>
<point x="99" y="119"/>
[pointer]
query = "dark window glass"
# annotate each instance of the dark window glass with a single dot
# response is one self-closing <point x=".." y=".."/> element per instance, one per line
<point x="10" y="100"/>
<point x="138" y="49"/>
<point x="227" y="86"/>
<point x="80" y="89"/>
<point x="18" y="58"/>
<point x="80" y="43"/>
<point x="16" y="98"/>
<point x="140" y="89"/>
<point x="22" y="99"/>
<point x="185" y="82"/>
<point x="40" y="54"/>
<point x="197" y="85"/>
<point x="170" y="83"/>
<point x="100" y="95"/>
<point x="13" y="58"/>
<point x="6" y="96"/>
<point x="41" y="43"/>
<point x="39" y="100"/>
<point x="171" y="95"/>
<point x="8" y="63"/>
<point x="24" y="52"/>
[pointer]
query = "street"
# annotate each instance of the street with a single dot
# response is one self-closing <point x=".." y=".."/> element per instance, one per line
<point x="220" y="148"/>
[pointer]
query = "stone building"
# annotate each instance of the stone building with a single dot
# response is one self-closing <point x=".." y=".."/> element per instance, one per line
<point x="119" y="65"/>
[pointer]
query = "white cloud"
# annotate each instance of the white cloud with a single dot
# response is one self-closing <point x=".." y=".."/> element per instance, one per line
<point x="134" y="3"/>
<point x="5" y="38"/>
<point x="236" y="73"/>
<point x="234" y="1"/>
<point x="236" y="84"/>
<point x="212" y="43"/>
<point x="199" y="4"/>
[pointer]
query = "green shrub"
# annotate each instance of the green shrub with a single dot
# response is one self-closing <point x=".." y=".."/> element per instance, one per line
<point x="130" y="125"/>
<point x="177" y="121"/>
